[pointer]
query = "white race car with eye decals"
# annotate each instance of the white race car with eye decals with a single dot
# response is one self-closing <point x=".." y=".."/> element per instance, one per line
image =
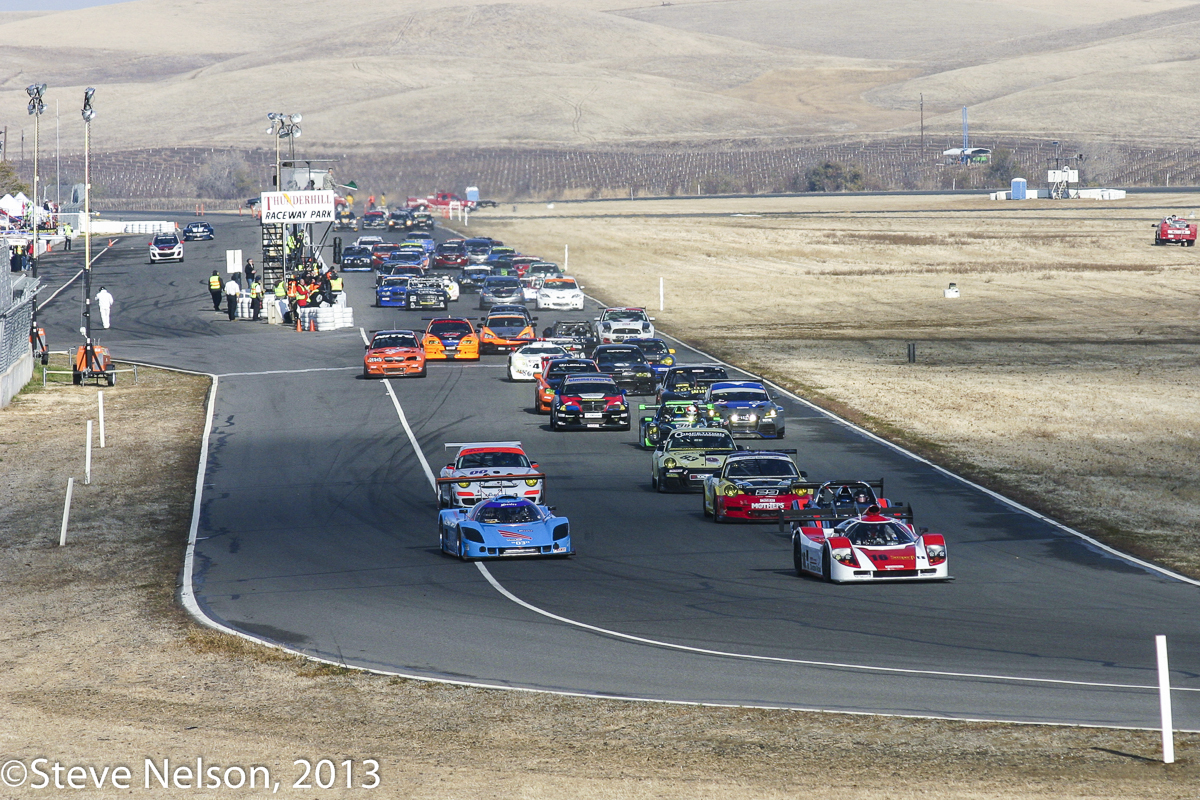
<point x="488" y="469"/>
<point x="527" y="361"/>
<point x="847" y="546"/>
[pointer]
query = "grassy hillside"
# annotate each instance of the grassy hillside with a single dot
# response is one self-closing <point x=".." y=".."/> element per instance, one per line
<point x="397" y="73"/>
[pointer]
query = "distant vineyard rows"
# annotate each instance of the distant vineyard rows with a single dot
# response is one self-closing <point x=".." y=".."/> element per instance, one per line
<point x="509" y="174"/>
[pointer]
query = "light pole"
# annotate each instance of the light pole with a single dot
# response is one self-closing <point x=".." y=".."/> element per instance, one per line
<point x="36" y="92"/>
<point x="283" y="126"/>
<point x="88" y="115"/>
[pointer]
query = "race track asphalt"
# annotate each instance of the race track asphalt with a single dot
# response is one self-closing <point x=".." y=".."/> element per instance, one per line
<point x="318" y="532"/>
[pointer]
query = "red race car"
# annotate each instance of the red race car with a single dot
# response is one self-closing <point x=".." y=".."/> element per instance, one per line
<point x="756" y="485"/>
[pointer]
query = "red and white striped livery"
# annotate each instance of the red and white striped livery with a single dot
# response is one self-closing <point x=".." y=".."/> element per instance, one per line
<point x="879" y="545"/>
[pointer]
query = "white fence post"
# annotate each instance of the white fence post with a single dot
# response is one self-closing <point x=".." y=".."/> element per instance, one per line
<point x="100" y="399"/>
<point x="662" y="294"/>
<point x="87" y="458"/>
<point x="62" y="536"/>
<point x="566" y="257"/>
<point x="1164" y="701"/>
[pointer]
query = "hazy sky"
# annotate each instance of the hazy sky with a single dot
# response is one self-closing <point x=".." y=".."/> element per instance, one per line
<point x="51" y="5"/>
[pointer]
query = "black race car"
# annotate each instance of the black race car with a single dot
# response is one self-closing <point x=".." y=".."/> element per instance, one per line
<point x="198" y="231"/>
<point x="589" y="401"/>
<point x="627" y="366"/>
<point x="573" y="336"/>
<point x="356" y="259"/>
<point x="690" y="382"/>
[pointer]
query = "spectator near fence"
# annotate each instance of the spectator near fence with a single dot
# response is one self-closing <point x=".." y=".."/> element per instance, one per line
<point x="232" y="290"/>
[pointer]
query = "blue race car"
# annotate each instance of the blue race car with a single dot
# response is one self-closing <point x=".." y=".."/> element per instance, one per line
<point x="198" y="232"/>
<point x="503" y="527"/>
<point x="392" y="291"/>
<point x="356" y="259"/>
<point x="744" y="408"/>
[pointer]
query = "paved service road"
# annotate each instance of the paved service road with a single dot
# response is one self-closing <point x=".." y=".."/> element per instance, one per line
<point x="318" y="531"/>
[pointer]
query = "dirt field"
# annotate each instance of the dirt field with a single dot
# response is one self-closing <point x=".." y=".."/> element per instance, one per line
<point x="102" y="669"/>
<point x="1066" y="373"/>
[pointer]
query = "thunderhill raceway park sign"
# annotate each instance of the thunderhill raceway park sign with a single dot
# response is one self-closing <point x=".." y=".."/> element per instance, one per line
<point x="296" y="208"/>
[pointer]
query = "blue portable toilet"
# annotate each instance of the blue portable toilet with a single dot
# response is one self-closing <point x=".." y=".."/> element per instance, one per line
<point x="1018" y="189"/>
<point x="472" y="194"/>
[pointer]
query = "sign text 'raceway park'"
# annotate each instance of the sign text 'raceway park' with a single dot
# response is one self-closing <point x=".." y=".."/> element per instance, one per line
<point x="297" y="208"/>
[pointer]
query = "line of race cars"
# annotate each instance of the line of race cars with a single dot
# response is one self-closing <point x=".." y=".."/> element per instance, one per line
<point x="491" y="497"/>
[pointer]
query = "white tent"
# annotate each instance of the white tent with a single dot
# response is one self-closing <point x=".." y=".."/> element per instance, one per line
<point x="14" y="206"/>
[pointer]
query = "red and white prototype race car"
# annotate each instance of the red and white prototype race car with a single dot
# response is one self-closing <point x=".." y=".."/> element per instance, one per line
<point x="847" y="546"/>
<point x="488" y="469"/>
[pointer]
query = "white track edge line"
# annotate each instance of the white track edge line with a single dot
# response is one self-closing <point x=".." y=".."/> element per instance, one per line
<point x="804" y="662"/>
<point x="70" y="280"/>
<point x="387" y="384"/>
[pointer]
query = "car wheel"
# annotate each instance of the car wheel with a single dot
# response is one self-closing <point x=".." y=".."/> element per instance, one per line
<point x="798" y="559"/>
<point x="660" y="483"/>
<point x="717" y="515"/>
<point x="424" y="371"/>
<point x="366" y="374"/>
<point x="459" y="545"/>
<point x="826" y="564"/>
<point x="704" y="505"/>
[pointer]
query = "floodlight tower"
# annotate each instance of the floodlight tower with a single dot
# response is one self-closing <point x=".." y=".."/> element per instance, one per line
<point x="37" y="105"/>
<point x="283" y="126"/>
<point x="88" y="114"/>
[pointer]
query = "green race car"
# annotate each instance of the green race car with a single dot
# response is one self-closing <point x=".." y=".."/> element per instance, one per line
<point x="667" y="417"/>
<point x="683" y="459"/>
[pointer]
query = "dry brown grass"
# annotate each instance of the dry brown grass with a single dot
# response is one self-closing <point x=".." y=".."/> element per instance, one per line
<point x="1067" y="374"/>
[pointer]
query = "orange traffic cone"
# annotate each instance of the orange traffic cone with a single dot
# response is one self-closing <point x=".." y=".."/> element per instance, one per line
<point x="298" y="328"/>
<point x="312" y="323"/>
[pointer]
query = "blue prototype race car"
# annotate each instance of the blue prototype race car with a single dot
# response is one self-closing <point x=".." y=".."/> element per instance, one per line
<point x="503" y="527"/>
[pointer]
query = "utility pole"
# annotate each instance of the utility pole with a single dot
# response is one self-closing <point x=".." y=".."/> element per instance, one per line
<point x="922" y="121"/>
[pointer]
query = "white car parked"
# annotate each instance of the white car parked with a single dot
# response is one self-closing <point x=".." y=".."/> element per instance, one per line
<point x="525" y="362"/>
<point x="560" y="293"/>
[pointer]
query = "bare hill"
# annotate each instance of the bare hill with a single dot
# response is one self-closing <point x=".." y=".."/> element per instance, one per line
<point x="398" y="74"/>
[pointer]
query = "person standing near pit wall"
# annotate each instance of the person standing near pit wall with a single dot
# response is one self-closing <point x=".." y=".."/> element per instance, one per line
<point x="214" y="289"/>
<point x="232" y="290"/>
<point x="256" y="298"/>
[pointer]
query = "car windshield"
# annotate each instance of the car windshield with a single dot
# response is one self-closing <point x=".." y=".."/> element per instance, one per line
<point x="356" y="251"/>
<point x="492" y="459"/>
<point x="652" y="347"/>
<point x="590" y="387"/>
<point x="679" y="412"/>
<point x="496" y="514"/>
<point x="762" y="468"/>
<point x="560" y="284"/>
<point x="507" y="322"/>
<point x="477" y="272"/>
<point x="542" y="350"/>
<point x="165" y="240"/>
<point x="478" y="249"/>
<point x="395" y="280"/>
<point x="740" y="396"/>
<point x="418" y="237"/>
<point x="373" y="214"/>
<point x="625" y="315"/>
<point x="450" y="249"/>
<point x="558" y="370"/>
<point x="386" y="247"/>
<point x="684" y="380"/>
<point x="701" y="440"/>
<point x="621" y="354"/>
<point x="450" y="327"/>
<point x="571" y="329"/>
<point x="877" y="534"/>
<point x="847" y="495"/>
<point x="502" y="283"/>
<point x="394" y="340"/>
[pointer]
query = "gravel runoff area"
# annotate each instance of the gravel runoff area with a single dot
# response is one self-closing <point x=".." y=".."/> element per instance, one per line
<point x="1067" y="374"/>
<point x="103" y="669"/>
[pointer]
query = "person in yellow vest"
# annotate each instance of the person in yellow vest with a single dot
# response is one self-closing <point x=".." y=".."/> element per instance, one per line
<point x="214" y="288"/>
<point x="293" y="298"/>
<point x="335" y="286"/>
<point x="256" y="298"/>
<point x="68" y="235"/>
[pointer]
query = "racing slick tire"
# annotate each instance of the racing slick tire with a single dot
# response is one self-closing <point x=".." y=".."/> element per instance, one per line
<point x="826" y="564"/>
<point x="659" y="484"/>
<point x="704" y="505"/>
<point x="366" y="373"/>
<point x="797" y="560"/>
<point x="424" y="371"/>
<point x="717" y="516"/>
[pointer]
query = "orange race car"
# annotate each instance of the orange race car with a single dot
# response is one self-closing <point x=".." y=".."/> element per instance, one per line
<point x="394" y="353"/>
<point x="501" y="333"/>
<point x="450" y="339"/>
<point x="552" y="375"/>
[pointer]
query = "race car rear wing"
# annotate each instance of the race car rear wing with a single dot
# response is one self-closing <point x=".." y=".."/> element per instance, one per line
<point x="482" y="444"/>
<point x="790" y="451"/>
<point x="902" y="512"/>
<point x="485" y="478"/>
<point x="876" y="484"/>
